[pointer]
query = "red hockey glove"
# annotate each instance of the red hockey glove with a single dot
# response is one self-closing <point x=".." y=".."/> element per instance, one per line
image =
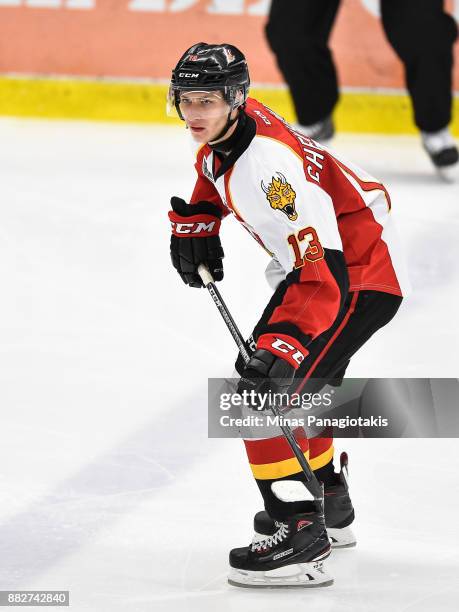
<point x="195" y="240"/>
<point x="284" y="346"/>
<point x="273" y="364"/>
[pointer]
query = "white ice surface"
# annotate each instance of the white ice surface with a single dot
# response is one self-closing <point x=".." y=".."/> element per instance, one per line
<point x="109" y="486"/>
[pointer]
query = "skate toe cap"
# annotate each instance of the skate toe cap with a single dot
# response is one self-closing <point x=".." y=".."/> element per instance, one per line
<point x="238" y="557"/>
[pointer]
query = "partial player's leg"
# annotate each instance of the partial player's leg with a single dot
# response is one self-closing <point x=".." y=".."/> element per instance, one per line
<point x="293" y="552"/>
<point x="292" y="555"/>
<point x="298" y="34"/>
<point x="338" y="510"/>
<point x="423" y="35"/>
<point x="294" y="540"/>
<point x="361" y="316"/>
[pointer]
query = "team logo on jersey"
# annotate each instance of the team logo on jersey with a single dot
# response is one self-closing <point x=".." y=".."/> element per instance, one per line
<point x="281" y="196"/>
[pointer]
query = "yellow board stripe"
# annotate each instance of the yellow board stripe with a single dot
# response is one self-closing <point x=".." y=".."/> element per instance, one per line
<point x="84" y="99"/>
<point x="53" y="98"/>
<point x="287" y="467"/>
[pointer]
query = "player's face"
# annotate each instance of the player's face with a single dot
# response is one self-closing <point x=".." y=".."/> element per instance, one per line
<point x="205" y="114"/>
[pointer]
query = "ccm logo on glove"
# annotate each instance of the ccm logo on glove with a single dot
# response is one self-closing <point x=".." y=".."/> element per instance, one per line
<point x="276" y="344"/>
<point x="195" y="240"/>
<point x="206" y="226"/>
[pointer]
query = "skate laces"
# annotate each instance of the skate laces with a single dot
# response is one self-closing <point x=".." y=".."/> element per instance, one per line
<point x="271" y="540"/>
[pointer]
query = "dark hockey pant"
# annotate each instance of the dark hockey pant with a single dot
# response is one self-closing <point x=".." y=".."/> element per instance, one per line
<point x="419" y="31"/>
<point x="363" y="313"/>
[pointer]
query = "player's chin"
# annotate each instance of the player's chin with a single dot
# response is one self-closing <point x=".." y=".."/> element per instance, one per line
<point x="199" y="134"/>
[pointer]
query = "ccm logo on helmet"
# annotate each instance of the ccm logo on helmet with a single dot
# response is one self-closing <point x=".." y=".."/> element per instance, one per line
<point x="189" y="75"/>
<point x="288" y="349"/>
<point x="199" y="227"/>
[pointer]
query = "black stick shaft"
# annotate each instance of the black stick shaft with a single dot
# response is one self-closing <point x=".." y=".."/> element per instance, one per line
<point x="313" y="485"/>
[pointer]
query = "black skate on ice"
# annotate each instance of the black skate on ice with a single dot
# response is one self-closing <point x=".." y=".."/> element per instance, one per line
<point x="339" y="512"/>
<point x="442" y="150"/>
<point x="292" y="555"/>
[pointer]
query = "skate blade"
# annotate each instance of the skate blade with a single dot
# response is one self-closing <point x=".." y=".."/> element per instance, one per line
<point x="341" y="538"/>
<point x="305" y="575"/>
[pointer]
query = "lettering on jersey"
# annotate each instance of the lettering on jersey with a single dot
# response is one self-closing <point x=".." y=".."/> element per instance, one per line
<point x="311" y="148"/>
<point x="205" y="168"/>
<point x="281" y="196"/>
<point x="262" y="117"/>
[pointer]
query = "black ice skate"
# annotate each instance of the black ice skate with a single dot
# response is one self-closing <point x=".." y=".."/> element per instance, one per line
<point x="292" y="555"/>
<point x="339" y="512"/>
<point x="443" y="152"/>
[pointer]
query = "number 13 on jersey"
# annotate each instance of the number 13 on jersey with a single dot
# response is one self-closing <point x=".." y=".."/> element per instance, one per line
<point x="314" y="250"/>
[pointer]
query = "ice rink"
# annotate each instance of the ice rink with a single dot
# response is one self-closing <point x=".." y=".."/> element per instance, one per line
<point x="109" y="486"/>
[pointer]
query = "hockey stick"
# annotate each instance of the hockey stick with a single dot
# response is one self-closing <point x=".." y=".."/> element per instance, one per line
<point x="313" y="485"/>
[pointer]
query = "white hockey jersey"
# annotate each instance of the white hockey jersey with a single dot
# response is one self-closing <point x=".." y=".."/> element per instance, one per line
<point x="325" y="223"/>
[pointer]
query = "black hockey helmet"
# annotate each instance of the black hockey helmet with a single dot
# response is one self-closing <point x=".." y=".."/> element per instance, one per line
<point x="210" y="67"/>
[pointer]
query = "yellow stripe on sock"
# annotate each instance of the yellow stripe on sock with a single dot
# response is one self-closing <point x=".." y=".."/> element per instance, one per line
<point x="279" y="469"/>
<point x="323" y="459"/>
<point x="287" y="467"/>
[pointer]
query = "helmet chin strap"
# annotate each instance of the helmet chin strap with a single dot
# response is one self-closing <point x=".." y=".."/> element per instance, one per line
<point x="229" y="122"/>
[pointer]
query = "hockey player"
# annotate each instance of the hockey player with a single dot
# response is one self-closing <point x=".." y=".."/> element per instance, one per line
<point x="335" y="271"/>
